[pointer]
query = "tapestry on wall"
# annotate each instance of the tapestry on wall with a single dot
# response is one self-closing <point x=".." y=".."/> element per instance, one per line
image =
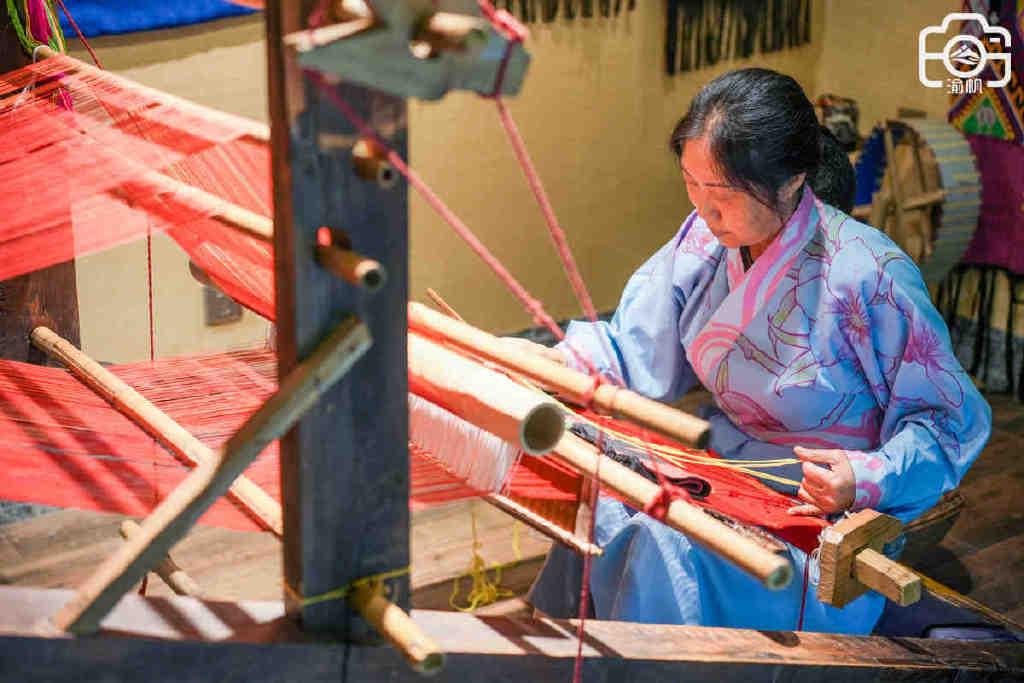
<point x="701" y="33"/>
<point x="994" y="111"/>
<point x="102" y="17"/>
<point x="530" y="11"/>
<point x="983" y="295"/>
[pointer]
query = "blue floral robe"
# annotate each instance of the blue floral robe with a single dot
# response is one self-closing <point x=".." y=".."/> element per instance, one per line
<point x="829" y="340"/>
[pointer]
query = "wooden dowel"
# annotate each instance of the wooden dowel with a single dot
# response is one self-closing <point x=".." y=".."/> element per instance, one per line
<point x="370" y="160"/>
<point x="443" y="305"/>
<point x="352" y="267"/>
<point x="484" y="397"/>
<point x="401" y="631"/>
<point x="232" y="215"/>
<point x="176" y="514"/>
<point x="539" y="523"/>
<point x="652" y="414"/>
<point x="309" y="39"/>
<point x="157" y="423"/>
<point x="442" y="31"/>
<point x="890" y="578"/>
<point x="920" y="201"/>
<point x="167" y="569"/>
<point x="774" y="571"/>
<point x="924" y="199"/>
<point x="952" y="597"/>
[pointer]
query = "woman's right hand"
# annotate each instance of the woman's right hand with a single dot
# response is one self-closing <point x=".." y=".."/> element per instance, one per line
<point x="520" y="345"/>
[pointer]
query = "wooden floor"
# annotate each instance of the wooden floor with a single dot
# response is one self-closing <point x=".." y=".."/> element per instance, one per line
<point x="982" y="556"/>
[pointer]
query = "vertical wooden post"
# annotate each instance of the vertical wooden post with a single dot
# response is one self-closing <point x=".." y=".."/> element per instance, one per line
<point x="46" y="297"/>
<point x="344" y="468"/>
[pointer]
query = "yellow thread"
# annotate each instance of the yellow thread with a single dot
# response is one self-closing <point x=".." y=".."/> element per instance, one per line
<point x="483" y="590"/>
<point x="375" y="580"/>
<point x="678" y="457"/>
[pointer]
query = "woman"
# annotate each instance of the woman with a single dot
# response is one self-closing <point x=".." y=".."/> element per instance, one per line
<point x="814" y="334"/>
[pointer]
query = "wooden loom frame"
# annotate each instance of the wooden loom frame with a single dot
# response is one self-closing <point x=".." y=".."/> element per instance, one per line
<point x="325" y="498"/>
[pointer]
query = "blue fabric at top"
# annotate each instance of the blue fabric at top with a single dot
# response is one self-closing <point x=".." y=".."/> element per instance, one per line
<point x="102" y="17"/>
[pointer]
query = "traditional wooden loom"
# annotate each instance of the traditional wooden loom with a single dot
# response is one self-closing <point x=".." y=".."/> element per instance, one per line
<point x="342" y="359"/>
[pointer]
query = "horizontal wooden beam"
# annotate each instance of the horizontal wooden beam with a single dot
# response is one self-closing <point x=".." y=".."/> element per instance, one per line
<point x="183" y="640"/>
<point x="607" y="397"/>
<point x="176" y="514"/>
<point x="542" y="525"/>
<point x="774" y="571"/>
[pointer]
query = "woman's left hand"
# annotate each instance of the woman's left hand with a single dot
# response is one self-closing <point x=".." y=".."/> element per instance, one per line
<point x="825" y="489"/>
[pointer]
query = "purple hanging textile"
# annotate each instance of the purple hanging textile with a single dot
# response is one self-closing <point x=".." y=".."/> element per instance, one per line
<point x="999" y="239"/>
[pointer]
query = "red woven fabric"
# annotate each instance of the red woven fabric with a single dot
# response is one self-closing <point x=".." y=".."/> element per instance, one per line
<point x="736" y="494"/>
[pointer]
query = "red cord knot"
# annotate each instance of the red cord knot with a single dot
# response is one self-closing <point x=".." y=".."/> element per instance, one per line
<point x="504" y="22"/>
<point x="513" y="31"/>
<point x="658" y="506"/>
<point x="588" y="396"/>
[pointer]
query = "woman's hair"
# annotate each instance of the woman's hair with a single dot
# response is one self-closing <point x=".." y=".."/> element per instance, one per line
<point x="761" y="130"/>
<point x="834" y="181"/>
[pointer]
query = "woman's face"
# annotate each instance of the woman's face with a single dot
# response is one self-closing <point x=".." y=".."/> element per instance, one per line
<point x="735" y="217"/>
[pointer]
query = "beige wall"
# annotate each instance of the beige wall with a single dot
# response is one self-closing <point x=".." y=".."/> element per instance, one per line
<point x="595" y="112"/>
<point x="220" y="65"/>
<point x="870" y="54"/>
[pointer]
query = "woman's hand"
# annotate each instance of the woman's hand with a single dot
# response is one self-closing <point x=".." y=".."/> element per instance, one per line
<point x="825" y="489"/>
<point x="518" y="344"/>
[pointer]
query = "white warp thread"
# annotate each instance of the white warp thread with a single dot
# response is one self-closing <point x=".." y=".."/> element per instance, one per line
<point x="480" y="458"/>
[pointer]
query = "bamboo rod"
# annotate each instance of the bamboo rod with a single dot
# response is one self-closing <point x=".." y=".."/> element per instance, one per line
<point x="539" y="523"/>
<point x="392" y="622"/>
<point x="352" y="267"/>
<point x="652" y="414"/>
<point x="773" y="570"/>
<point x="167" y="569"/>
<point x="257" y="502"/>
<point x="232" y="215"/>
<point x="176" y="514"/>
<point x="443" y="305"/>
<point x="484" y="397"/>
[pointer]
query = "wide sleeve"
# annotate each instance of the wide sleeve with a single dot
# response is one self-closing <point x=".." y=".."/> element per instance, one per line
<point x="934" y="422"/>
<point x="641" y="346"/>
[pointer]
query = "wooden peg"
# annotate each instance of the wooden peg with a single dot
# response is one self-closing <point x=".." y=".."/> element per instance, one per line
<point x="370" y="160"/>
<point x="167" y="569"/>
<point x="442" y="31"/>
<point x="392" y="622"/>
<point x="852" y="563"/>
<point x="352" y="267"/>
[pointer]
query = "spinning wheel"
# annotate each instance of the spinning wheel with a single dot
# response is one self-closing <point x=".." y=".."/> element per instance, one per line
<point x="917" y="181"/>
